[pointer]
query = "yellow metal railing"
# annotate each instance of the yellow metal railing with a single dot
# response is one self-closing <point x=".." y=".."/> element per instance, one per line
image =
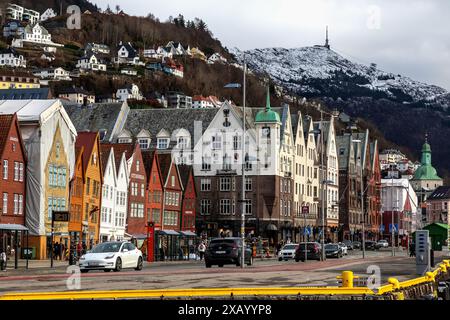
<point x="393" y="287"/>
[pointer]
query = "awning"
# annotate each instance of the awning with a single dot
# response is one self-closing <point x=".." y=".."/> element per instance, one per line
<point x="271" y="227"/>
<point x="168" y="233"/>
<point x="13" y="227"/>
<point x="188" y="233"/>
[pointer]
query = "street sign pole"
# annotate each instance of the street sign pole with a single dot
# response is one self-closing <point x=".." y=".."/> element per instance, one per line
<point x="51" y="246"/>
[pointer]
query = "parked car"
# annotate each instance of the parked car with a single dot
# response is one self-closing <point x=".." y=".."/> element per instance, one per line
<point x="223" y="251"/>
<point x="349" y="244"/>
<point x="114" y="255"/>
<point x="343" y="248"/>
<point x="382" y="244"/>
<point x="313" y="251"/>
<point x="287" y="252"/>
<point x="333" y="250"/>
<point x="356" y="245"/>
<point x="370" y="245"/>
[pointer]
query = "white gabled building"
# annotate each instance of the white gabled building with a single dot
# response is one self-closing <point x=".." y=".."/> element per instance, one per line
<point x="130" y="91"/>
<point x="91" y="62"/>
<point x="126" y="54"/>
<point x="53" y="74"/>
<point x="48" y="14"/>
<point x="216" y="57"/>
<point x="114" y="195"/>
<point x="10" y="58"/>
<point x="36" y="34"/>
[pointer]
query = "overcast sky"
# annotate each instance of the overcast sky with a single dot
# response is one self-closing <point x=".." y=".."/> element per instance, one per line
<point x="409" y="37"/>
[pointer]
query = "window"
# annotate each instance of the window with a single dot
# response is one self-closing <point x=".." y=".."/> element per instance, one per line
<point x="156" y="215"/>
<point x="21" y="172"/>
<point x="205" y="185"/>
<point x="20" y="204"/>
<point x="225" y="206"/>
<point x="137" y="165"/>
<point x="248" y="207"/>
<point x="5" y="203"/>
<point x="206" y="163"/>
<point x="94" y="159"/>
<point x="163" y="143"/>
<point x="205" y="207"/>
<point x="248" y="184"/>
<point x="142" y="190"/>
<point x="143" y="143"/>
<point x="226" y="163"/>
<point x="124" y="140"/>
<point x="182" y="142"/>
<point x="237" y="142"/>
<point x="172" y="181"/>
<point x="281" y="207"/>
<point x="57" y="151"/>
<point x="16" y="171"/>
<point x="16" y="203"/>
<point x="49" y="207"/>
<point x="217" y="142"/>
<point x="5" y="169"/>
<point x="225" y="184"/>
<point x="88" y="184"/>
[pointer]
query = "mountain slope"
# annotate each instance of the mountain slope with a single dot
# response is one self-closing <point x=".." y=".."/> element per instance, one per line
<point x="402" y="108"/>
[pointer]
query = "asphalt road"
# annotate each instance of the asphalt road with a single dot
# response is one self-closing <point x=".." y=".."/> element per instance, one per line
<point x="193" y="274"/>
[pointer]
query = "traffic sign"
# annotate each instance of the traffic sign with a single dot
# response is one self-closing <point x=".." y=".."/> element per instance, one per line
<point x="61" y="216"/>
<point x="395" y="227"/>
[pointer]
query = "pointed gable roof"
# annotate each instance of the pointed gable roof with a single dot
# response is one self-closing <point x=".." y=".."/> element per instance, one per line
<point x="165" y="162"/>
<point x="185" y="173"/>
<point x="104" y="155"/>
<point x="119" y="149"/>
<point x="86" y="140"/>
<point x="6" y="123"/>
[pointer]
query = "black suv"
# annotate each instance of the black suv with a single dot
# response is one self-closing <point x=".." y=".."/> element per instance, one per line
<point x="313" y="251"/>
<point x="223" y="251"/>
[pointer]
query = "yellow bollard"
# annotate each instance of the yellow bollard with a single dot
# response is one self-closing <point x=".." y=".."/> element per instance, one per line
<point x="347" y="279"/>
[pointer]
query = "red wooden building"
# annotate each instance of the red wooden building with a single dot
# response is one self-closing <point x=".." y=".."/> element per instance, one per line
<point x="173" y="193"/>
<point x="189" y="198"/>
<point x="154" y="204"/>
<point x="12" y="181"/>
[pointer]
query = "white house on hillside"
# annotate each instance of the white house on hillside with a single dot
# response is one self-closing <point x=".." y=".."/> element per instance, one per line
<point x="48" y="14"/>
<point x="129" y="92"/>
<point x="91" y="62"/>
<point x="216" y="57"/>
<point x="36" y="34"/>
<point x="9" y="57"/>
<point x="16" y="12"/>
<point x="126" y="54"/>
<point x="53" y="74"/>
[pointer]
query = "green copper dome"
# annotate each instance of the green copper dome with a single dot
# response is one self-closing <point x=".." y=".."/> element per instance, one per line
<point x="426" y="171"/>
<point x="267" y="115"/>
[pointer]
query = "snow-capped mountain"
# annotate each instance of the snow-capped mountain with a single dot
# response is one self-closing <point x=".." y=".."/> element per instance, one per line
<point x="302" y="71"/>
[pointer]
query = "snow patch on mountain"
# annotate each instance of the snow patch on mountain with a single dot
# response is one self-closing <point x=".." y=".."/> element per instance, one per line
<point x="298" y="70"/>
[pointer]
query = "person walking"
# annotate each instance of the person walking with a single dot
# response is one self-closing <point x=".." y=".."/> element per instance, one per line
<point x="79" y="250"/>
<point x="3" y="260"/>
<point x="201" y="250"/>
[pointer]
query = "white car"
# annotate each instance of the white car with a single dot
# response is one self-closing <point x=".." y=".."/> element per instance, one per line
<point x="109" y="256"/>
<point x="287" y="252"/>
<point x="344" y="248"/>
<point x="382" y="244"/>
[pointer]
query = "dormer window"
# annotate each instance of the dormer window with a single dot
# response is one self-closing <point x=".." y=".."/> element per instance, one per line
<point x="182" y="143"/>
<point x="144" y="143"/>
<point x="124" y="140"/>
<point x="163" y="143"/>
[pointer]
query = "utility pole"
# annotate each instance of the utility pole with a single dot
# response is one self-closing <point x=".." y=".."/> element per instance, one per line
<point x="392" y="214"/>
<point x="243" y="170"/>
<point x="324" y="184"/>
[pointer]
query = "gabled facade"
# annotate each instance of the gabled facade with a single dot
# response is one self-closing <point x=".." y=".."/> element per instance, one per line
<point x="114" y="195"/>
<point x="189" y="198"/>
<point x="49" y="138"/>
<point x="76" y="199"/>
<point x="329" y="173"/>
<point x="93" y="180"/>
<point x="10" y="58"/>
<point x="91" y="62"/>
<point x="173" y="193"/>
<point x="305" y="184"/>
<point x="48" y="14"/>
<point x="13" y="173"/>
<point x="155" y="188"/>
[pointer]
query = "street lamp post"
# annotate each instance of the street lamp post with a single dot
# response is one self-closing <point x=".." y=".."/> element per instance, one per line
<point x="362" y="202"/>
<point x="243" y="200"/>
